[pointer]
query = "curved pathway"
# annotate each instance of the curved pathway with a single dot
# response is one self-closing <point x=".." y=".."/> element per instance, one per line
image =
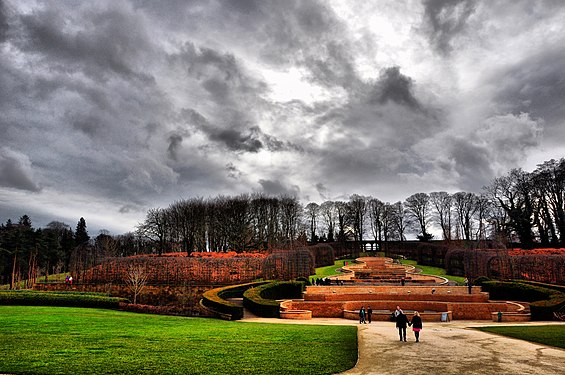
<point x="445" y="348"/>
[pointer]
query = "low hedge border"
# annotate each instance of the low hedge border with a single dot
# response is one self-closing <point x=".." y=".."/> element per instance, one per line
<point x="559" y="288"/>
<point x="544" y="301"/>
<point x="215" y="299"/>
<point x="262" y="300"/>
<point x="37" y="298"/>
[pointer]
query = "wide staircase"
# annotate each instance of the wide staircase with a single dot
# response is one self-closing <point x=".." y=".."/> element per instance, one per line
<point x="435" y="303"/>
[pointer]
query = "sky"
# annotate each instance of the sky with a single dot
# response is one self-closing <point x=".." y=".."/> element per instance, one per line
<point x="110" y="108"/>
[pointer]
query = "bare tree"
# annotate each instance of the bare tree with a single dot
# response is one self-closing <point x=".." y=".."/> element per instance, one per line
<point x="329" y="214"/>
<point x="342" y="219"/>
<point x="398" y="221"/>
<point x="290" y="210"/>
<point x="136" y="279"/>
<point x="312" y="211"/>
<point x="442" y="203"/>
<point x="465" y="208"/>
<point x="376" y="213"/>
<point x="418" y="207"/>
<point x="513" y="194"/>
<point x="156" y="228"/>
<point x="358" y="208"/>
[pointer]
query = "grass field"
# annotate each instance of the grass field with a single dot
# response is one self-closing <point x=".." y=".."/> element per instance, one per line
<point x="553" y="335"/>
<point x="434" y="271"/>
<point x="322" y="272"/>
<point x="60" y="340"/>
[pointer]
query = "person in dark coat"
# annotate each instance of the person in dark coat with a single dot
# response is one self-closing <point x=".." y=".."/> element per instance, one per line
<point x="369" y="313"/>
<point x="416" y="324"/>
<point x="362" y="315"/>
<point x="401" y="322"/>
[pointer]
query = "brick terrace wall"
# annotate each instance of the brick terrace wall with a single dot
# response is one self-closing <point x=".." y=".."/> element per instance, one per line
<point x="463" y="310"/>
<point x="403" y="290"/>
<point x="477" y="311"/>
<point x="186" y="297"/>
<point x="483" y="297"/>
<point x="331" y="301"/>
<point x="178" y="270"/>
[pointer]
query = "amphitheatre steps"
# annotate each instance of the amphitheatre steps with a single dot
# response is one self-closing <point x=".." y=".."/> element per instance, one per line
<point x="457" y="302"/>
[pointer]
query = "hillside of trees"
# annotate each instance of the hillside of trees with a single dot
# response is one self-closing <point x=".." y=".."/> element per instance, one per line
<point x="524" y="207"/>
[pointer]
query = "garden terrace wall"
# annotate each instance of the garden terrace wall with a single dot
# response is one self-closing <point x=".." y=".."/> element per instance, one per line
<point x="289" y="264"/>
<point x="460" y="310"/>
<point x="542" y="265"/>
<point x="183" y="297"/>
<point x="426" y="253"/>
<point x="323" y="255"/>
<point x="178" y="270"/>
<point x="438" y="290"/>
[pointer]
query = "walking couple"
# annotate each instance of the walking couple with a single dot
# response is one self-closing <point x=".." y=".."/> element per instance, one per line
<point x="402" y="321"/>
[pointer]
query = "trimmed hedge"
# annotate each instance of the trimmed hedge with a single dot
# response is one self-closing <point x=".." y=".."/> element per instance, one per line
<point x="504" y="290"/>
<point x="215" y="299"/>
<point x="559" y="288"/>
<point x="262" y="300"/>
<point x="543" y="310"/>
<point x="544" y="301"/>
<point x="68" y="299"/>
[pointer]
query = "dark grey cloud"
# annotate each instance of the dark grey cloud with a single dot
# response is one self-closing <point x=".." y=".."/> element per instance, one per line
<point x="322" y="191"/>
<point x="472" y="163"/>
<point x="444" y="20"/>
<point x="396" y="87"/>
<point x="175" y="142"/>
<point x="101" y="41"/>
<point x="535" y="85"/>
<point x="4" y="27"/>
<point x="221" y="75"/>
<point x="232" y="171"/>
<point x="16" y="171"/>
<point x="277" y="187"/>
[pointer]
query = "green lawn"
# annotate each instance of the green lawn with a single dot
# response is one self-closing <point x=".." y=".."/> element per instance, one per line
<point x="552" y="335"/>
<point x="322" y="272"/>
<point x="61" y="340"/>
<point x="433" y="271"/>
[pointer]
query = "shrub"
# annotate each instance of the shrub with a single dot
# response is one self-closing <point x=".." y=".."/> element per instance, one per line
<point x="502" y="290"/>
<point x="559" y="288"/>
<point x="323" y="255"/>
<point x="262" y="300"/>
<point x="215" y="299"/>
<point x="480" y="280"/>
<point x="303" y="280"/>
<point x="68" y="299"/>
<point x="543" y="310"/>
<point x="545" y="301"/>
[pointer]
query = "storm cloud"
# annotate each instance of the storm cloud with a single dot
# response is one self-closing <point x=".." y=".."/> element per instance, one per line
<point x="115" y="107"/>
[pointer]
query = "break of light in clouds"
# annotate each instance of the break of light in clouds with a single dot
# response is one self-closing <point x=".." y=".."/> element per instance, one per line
<point x="113" y="107"/>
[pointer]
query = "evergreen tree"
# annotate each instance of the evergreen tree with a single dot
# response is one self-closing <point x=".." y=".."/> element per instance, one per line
<point x="81" y="234"/>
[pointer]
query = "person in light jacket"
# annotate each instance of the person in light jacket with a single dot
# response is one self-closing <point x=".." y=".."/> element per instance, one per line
<point x="401" y="322"/>
<point x="416" y="324"/>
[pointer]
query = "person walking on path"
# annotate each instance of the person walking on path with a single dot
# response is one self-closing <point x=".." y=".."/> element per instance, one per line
<point x="416" y="324"/>
<point x="401" y="322"/>
<point x="362" y="315"/>
<point x="369" y="313"/>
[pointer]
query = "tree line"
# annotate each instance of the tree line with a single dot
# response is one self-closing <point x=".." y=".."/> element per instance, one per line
<point x="525" y="207"/>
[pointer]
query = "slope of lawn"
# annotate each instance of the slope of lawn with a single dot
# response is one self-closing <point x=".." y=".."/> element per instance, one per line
<point x="322" y="272"/>
<point x="437" y="271"/>
<point x="60" y="340"/>
<point x="552" y="335"/>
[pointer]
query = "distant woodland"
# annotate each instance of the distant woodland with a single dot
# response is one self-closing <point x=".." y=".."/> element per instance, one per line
<point x="524" y="207"/>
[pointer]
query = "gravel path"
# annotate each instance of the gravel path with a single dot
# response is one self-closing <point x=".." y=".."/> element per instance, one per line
<point x="445" y="348"/>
